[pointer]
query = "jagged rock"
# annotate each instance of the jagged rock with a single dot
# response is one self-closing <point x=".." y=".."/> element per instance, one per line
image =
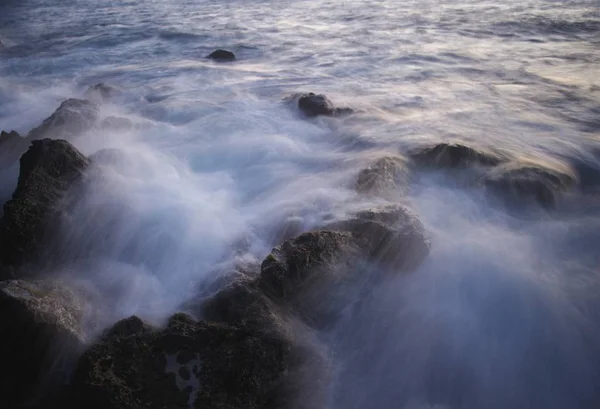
<point x="312" y="105"/>
<point x="222" y="55"/>
<point x="383" y="176"/>
<point x="42" y="335"/>
<point x="522" y="183"/>
<point x="99" y="93"/>
<point x="321" y="260"/>
<point x="455" y="155"/>
<point x="47" y="170"/>
<point x="115" y="123"/>
<point x="243" y="305"/>
<point x="72" y="118"/>
<point x="188" y="364"/>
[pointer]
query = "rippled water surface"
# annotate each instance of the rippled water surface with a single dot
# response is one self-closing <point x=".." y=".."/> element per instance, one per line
<point x="503" y="314"/>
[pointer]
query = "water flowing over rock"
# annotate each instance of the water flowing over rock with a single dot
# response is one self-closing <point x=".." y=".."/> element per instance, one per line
<point x="47" y="170"/>
<point x="115" y="123"/>
<point x="312" y="105"/>
<point x="385" y="175"/>
<point x="222" y="55"/>
<point x="188" y="364"/>
<point x="522" y="183"/>
<point x="454" y="155"/>
<point x="71" y="118"/>
<point x="42" y="335"/>
<point x="99" y="93"/>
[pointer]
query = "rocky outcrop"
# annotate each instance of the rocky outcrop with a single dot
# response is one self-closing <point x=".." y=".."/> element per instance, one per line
<point x="188" y="364"/>
<point x="311" y="105"/>
<point x="71" y="118"/>
<point x="42" y="335"/>
<point x="455" y="155"/>
<point x="47" y="170"/>
<point x="529" y="183"/>
<point x="311" y="274"/>
<point x="222" y="55"/>
<point x="99" y="93"/>
<point x="385" y="175"/>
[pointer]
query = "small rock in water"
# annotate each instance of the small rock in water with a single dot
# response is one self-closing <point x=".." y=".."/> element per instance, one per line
<point x="99" y="93"/>
<point x="42" y="336"/>
<point x="455" y="155"/>
<point x="47" y="170"/>
<point x="115" y="123"/>
<point x="222" y="55"/>
<point x="312" y="104"/>
<point x="522" y="183"/>
<point x="72" y="118"/>
<point x="384" y="176"/>
<point x="188" y="364"/>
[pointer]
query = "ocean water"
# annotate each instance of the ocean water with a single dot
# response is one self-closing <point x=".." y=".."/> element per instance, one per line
<point x="504" y="312"/>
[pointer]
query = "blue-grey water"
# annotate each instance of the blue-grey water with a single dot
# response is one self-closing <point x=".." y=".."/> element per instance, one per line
<point x="504" y="312"/>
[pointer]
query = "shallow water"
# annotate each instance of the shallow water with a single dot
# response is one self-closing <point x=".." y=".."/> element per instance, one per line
<point x="502" y="314"/>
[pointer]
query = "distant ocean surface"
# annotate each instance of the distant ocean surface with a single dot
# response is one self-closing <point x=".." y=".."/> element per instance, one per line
<point x="504" y="313"/>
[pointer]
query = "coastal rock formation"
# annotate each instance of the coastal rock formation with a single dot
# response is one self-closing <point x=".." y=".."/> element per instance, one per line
<point x="312" y="105"/>
<point x="47" y="170"/>
<point x="454" y="155"/>
<point x="222" y="55"/>
<point x="41" y="323"/>
<point x="383" y="176"/>
<point x="188" y="364"/>
<point x="526" y="183"/>
<point x="71" y="118"/>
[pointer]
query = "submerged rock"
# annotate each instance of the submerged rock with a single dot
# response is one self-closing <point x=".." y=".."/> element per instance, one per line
<point x="47" y="170"/>
<point x="313" y="105"/>
<point x="99" y="93"/>
<point x="446" y="155"/>
<point x="222" y="55"/>
<point x="188" y="364"/>
<point x="115" y="123"/>
<point x="41" y="326"/>
<point x="71" y="118"/>
<point x="522" y="183"/>
<point x="383" y="176"/>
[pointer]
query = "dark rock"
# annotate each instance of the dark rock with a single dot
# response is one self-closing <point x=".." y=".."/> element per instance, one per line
<point x="520" y="184"/>
<point x="222" y="55"/>
<point x="312" y="105"/>
<point x="72" y="118"/>
<point x="47" y="170"/>
<point x="142" y="367"/>
<point x="99" y="93"/>
<point x="392" y="236"/>
<point x="243" y="305"/>
<point x="385" y="175"/>
<point x="41" y="327"/>
<point x="9" y="138"/>
<point x="115" y="123"/>
<point x="455" y="155"/>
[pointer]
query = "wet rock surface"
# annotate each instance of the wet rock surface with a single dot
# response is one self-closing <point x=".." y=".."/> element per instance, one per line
<point x="222" y="55"/>
<point x="188" y="364"/>
<point x="42" y="336"/>
<point x="47" y="170"/>
<point x="383" y="176"/>
<point x="312" y="105"/>
<point x="454" y="155"/>
<point x="71" y="118"/>
<point x="523" y="184"/>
